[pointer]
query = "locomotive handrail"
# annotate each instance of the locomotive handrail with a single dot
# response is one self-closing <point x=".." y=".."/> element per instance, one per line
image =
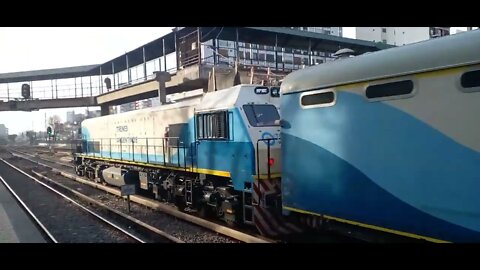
<point x="97" y="145"/>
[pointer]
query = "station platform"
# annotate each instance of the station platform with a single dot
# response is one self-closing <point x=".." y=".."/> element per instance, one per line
<point x="16" y="226"/>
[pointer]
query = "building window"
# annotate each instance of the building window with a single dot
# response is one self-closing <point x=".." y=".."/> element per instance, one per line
<point x="384" y="41"/>
<point x="270" y="58"/>
<point x="392" y="89"/>
<point x="319" y="98"/>
<point x="297" y="60"/>
<point x="261" y="115"/>
<point x="223" y="43"/>
<point x="223" y="52"/>
<point x="384" y="30"/>
<point x="279" y="59"/>
<point x="213" y="125"/>
<point x="470" y="81"/>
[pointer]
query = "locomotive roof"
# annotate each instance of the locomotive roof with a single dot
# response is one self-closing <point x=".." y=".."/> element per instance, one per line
<point x="221" y="99"/>
<point x="440" y="53"/>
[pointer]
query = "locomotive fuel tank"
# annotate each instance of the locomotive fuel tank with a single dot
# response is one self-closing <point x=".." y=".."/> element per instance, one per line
<point x="119" y="177"/>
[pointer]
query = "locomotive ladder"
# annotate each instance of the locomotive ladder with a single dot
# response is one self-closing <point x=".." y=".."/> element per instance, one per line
<point x="188" y="192"/>
<point x="247" y="201"/>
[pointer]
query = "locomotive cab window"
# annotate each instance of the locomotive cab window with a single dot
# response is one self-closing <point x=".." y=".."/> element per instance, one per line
<point x="213" y="125"/>
<point x="390" y="90"/>
<point x="319" y="98"/>
<point x="470" y="81"/>
<point x="261" y="115"/>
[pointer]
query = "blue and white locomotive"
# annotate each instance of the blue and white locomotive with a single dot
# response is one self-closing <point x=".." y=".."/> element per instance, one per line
<point x="388" y="140"/>
<point x="203" y="152"/>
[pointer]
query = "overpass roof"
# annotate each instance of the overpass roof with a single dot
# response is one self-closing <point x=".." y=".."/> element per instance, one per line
<point x="261" y="35"/>
<point x="47" y="74"/>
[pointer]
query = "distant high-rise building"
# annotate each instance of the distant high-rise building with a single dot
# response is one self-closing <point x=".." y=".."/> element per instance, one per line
<point x="92" y="114"/>
<point x="78" y="118"/>
<point x="127" y="107"/>
<point x="3" y="131"/>
<point x="70" y="116"/>
<point x="334" y="31"/>
<point x="399" y="36"/>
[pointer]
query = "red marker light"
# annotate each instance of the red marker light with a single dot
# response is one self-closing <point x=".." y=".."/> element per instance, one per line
<point x="271" y="161"/>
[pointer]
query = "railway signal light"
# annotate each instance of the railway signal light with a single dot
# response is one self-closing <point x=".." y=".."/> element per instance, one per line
<point x="108" y="83"/>
<point x="25" y="91"/>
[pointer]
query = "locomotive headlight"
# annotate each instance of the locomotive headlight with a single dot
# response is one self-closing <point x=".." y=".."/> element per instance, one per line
<point x="271" y="161"/>
<point x="275" y="92"/>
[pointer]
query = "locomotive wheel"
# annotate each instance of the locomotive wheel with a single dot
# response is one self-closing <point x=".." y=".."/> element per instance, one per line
<point x="203" y="211"/>
<point x="179" y="203"/>
<point x="230" y="223"/>
<point x="226" y="212"/>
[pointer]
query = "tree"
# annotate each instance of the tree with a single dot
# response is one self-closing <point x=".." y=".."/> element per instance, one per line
<point x="53" y="120"/>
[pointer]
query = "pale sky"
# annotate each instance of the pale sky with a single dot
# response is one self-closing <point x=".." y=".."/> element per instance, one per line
<point x="23" y="49"/>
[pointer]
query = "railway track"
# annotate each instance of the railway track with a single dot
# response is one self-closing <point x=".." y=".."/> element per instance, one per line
<point x="47" y="235"/>
<point x="49" y="210"/>
<point x="59" y="168"/>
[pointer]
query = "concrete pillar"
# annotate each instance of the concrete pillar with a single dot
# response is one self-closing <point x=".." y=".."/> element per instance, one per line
<point x="310" y="52"/>
<point x="113" y="75"/>
<point x="162" y="77"/>
<point x="104" y="109"/>
<point x="164" y="58"/>
<point x="176" y="49"/>
<point x="144" y="64"/>
<point x="276" y="53"/>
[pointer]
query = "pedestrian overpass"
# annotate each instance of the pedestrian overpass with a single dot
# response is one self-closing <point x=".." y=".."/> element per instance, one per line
<point x="177" y="62"/>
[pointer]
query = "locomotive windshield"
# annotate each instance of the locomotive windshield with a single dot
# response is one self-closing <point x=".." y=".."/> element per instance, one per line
<point x="261" y="115"/>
